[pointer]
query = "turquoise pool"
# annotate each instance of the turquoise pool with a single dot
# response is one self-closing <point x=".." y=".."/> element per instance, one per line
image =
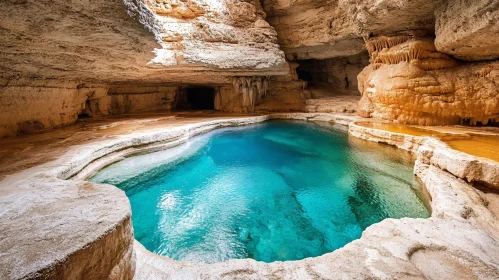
<point x="274" y="191"/>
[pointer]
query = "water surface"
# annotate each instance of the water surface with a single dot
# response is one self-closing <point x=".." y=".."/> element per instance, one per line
<point x="272" y="192"/>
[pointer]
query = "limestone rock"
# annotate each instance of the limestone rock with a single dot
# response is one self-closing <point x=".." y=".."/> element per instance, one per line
<point x="411" y="82"/>
<point x="334" y="28"/>
<point x="264" y="94"/>
<point x="221" y="34"/>
<point x="76" y="230"/>
<point x="334" y="104"/>
<point x="285" y="93"/>
<point x="153" y="41"/>
<point x="468" y="30"/>
<point x="29" y="106"/>
<point x="305" y="30"/>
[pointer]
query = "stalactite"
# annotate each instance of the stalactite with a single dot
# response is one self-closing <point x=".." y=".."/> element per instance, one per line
<point x="383" y="42"/>
<point x="252" y="89"/>
<point x="484" y="71"/>
<point x="419" y="52"/>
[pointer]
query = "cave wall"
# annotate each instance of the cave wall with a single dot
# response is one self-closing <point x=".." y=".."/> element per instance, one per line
<point x="131" y="53"/>
<point x="131" y="99"/>
<point x="336" y="74"/>
<point x="468" y="30"/>
<point x="286" y="93"/>
<point x="322" y="29"/>
<point x="32" y="105"/>
<point x="60" y="59"/>
<point x="28" y="106"/>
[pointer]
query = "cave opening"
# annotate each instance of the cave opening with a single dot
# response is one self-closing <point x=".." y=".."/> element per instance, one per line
<point x="85" y="113"/>
<point x="304" y="74"/>
<point x="195" y="98"/>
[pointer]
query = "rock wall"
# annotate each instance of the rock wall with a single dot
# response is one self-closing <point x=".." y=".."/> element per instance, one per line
<point x="305" y="29"/>
<point x="129" y="99"/>
<point x="27" y="106"/>
<point x="195" y="41"/>
<point x="468" y="30"/>
<point x="335" y="28"/>
<point x="32" y="105"/>
<point x="231" y="35"/>
<point x="286" y="93"/>
<point x="409" y="81"/>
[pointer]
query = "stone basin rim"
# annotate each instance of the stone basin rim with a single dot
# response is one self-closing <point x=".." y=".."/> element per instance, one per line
<point x="83" y="163"/>
<point x="108" y="159"/>
<point x="434" y="151"/>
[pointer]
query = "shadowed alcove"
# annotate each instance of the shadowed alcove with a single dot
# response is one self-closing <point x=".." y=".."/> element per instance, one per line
<point x="195" y="98"/>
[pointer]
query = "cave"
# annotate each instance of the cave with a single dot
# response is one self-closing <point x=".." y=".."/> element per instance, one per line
<point x="85" y="113"/>
<point x="195" y="98"/>
<point x="334" y="75"/>
<point x="303" y="74"/>
<point x="200" y="115"/>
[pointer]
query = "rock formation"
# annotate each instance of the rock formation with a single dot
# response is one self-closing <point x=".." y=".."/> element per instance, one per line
<point x="61" y="59"/>
<point x="252" y="89"/>
<point x="409" y="81"/>
<point x="286" y="93"/>
<point x="335" y="28"/>
<point x="107" y="41"/>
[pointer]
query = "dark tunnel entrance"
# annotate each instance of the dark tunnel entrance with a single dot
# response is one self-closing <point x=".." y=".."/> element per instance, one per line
<point x="196" y="98"/>
<point x="304" y="75"/>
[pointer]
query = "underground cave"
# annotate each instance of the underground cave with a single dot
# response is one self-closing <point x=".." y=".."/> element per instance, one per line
<point x="249" y="139"/>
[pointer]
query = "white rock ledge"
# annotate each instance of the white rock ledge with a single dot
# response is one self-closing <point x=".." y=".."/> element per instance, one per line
<point x="53" y="227"/>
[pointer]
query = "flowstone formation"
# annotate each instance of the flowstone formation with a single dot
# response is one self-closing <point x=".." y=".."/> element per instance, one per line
<point x="411" y="82"/>
<point x="252" y="89"/>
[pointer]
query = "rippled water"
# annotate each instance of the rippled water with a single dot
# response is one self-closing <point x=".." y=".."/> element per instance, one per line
<point x="272" y="191"/>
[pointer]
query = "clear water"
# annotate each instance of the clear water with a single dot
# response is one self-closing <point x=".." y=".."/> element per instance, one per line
<point x="272" y="192"/>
